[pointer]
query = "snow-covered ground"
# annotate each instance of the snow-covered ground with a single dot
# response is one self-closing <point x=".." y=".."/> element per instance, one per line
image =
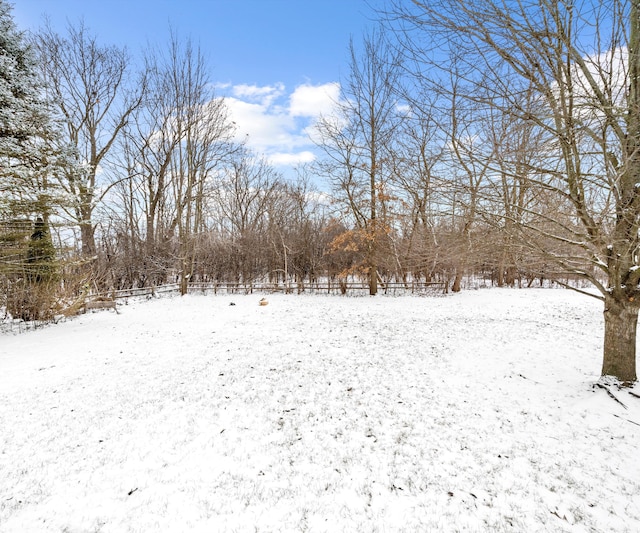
<point x="471" y="412"/>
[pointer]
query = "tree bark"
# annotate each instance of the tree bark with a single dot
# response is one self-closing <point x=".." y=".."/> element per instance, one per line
<point x="620" y="325"/>
<point x="373" y="280"/>
<point x="457" y="282"/>
<point x="500" y="272"/>
<point x="185" y="274"/>
<point x="87" y="238"/>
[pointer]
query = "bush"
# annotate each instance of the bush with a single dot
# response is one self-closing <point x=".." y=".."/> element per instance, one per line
<point x="30" y="301"/>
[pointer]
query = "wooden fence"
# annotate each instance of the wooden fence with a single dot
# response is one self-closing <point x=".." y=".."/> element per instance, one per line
<point x="106" y="300"/>
<point x="323" y="287"/>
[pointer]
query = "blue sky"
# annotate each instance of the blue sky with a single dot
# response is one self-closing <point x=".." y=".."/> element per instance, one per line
<point x="278" y="62"/>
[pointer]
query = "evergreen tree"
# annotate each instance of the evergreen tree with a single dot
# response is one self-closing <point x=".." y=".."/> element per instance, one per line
<point x="28" y="158"/>
<point x="41" y="256"/>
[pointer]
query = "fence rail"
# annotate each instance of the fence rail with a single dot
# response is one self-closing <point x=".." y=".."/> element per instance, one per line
<point x="317" y="288"/>
<point x="144" y="291"/>
<point x="325" y="287"/>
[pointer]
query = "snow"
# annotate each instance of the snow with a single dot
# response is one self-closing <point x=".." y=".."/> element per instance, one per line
<point x="471" y="412"/>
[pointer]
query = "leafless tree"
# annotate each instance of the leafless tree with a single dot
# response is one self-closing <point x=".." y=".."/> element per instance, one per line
<point x="203" y="131"/>
<point x="466" y="138"/>
<point x="581" y="61"/>
<point x="357" y="141"/>
<point x="174" y="146"/>
<point x="241" y="198"/>
<point x="419" y="151"/>
<point x="509" y="199"/>
<point x="94" y="93"/>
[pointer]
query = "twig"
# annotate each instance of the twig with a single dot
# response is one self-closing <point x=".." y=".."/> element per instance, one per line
<point x="631" y="421"/>
<point x="600" y="385"/>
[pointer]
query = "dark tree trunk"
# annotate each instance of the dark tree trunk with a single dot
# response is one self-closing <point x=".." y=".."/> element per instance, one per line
<point x="511" y="276"/>
<point x="87" y="236"/>
<point x="620" y="325"/>
<point x="457" y="282"/>
<point x="500" y="275"/>
<point x="373" y="280"/>
<point x="183" y="283"/>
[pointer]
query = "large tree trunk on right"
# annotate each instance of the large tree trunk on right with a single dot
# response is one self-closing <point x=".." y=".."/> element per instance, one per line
<point x="620" y="326"/>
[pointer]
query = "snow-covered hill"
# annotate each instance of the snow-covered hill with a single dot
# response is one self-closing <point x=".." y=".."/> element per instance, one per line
<point x="473" y="412"/>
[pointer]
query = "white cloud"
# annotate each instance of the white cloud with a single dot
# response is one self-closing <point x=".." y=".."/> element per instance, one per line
<point x="404" y="109"/>
<point x="265" y="95"/>
<point x="314" y="100"/>
<point x="277" y="124"/>
<point x="266" y="127"/>
<point x="291" y="159"/>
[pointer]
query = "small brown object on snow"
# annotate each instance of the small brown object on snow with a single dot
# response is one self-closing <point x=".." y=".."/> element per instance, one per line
<point x="264" y="301"/>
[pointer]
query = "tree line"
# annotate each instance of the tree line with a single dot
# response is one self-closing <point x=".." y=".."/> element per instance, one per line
<point x="494" y="139"/>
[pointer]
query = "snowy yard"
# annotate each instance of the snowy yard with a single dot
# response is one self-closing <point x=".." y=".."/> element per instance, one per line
<point x="473" y="412"/>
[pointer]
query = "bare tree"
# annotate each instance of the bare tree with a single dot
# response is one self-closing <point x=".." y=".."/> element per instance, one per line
<point x="581" y="60"/>
<point x="203" y="131"/>
<point x="90" y="87"/>
<point x="241" y="197"/>
<point x="509" y="198"/>
<point x="418" y="154"/>
<point x="173" y="148"/>
<point x="357" y="141"/>
<point x="467" y="139"/>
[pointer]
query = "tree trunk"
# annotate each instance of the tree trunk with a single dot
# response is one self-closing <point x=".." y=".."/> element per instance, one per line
<point x="457" y="282"/>
<point x="620" y="325"/>
<point x="511" y="276"/>
<point x="500" y="274"/>
<point x="87" y="237"/>
<point x="184" y="277"/>
<point x="373" y="280"/>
